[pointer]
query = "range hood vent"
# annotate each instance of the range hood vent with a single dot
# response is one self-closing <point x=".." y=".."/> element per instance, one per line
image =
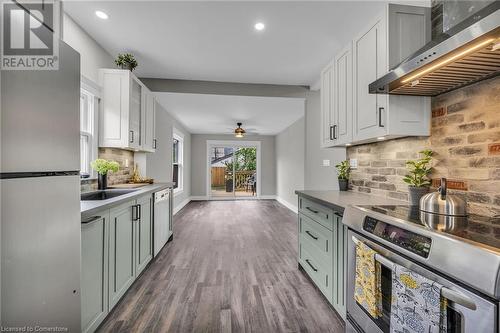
<point x="466" y="54"/>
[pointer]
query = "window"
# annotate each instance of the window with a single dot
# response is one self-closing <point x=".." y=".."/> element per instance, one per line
<point x="88" y="130"/>
<point x="177" y="161"/>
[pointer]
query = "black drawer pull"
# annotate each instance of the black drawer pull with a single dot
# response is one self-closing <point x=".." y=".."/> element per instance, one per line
<point x="312" y="210"/>
<point x="313" y="268"/>
<point x="312" y="236"/>
<point x="91" y="219"/>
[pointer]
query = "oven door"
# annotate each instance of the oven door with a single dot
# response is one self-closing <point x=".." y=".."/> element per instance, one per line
<point x="467" y="311"/>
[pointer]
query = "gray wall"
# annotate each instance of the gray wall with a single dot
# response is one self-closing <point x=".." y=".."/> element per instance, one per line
<point x="92" y="55"/>
<point x="158" y="165"/>
<point x="199" y="162"/>
<point x="290" y="162"/>
<point x="318" y="177"/>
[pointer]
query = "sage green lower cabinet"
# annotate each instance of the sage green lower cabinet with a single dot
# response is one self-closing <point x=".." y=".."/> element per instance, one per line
<point x="121" y="251"/>
<point x="144" y="233"/>
<point x="117" y="245"/>
<point x="94" y="271"/>
<point x="322" y="250"/>
<point x="339" y="266"/>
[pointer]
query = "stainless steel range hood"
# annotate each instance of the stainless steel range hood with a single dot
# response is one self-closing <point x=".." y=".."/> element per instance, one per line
<point x="467" y="53"/>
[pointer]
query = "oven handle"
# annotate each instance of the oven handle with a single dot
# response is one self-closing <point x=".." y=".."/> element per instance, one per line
<point x="447" y="293"/>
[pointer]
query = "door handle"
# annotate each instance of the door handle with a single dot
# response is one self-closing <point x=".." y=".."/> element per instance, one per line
<point x="312" y="210"/>
<point x="331" y="132"/>
<point x="154" y="143"/>
<point x="139" y="210"/>
<point x="310" y="265"/>
<point x="449" y="294"/>
<point x="380" y="110"/>
<point x="312" y="236"/>
<point x="335" y="132"/>
<point x="131" y="136"/>
<point x="91" y="219"/>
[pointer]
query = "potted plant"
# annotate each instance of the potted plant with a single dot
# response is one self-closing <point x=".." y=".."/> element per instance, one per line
<point x="102" y="167"/>
<point x="343" y="170"/>
<point x="126" y="61"/>
<point x="417" y="179"/>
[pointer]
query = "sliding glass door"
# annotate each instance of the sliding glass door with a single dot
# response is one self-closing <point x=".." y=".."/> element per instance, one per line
<point x="232" y="171"/>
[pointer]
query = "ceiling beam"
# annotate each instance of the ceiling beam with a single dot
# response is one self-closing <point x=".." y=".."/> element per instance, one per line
<point x="225" y="88"/>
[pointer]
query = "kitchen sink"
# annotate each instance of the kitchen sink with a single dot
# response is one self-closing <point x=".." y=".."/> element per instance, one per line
<point x="104" y="194"/>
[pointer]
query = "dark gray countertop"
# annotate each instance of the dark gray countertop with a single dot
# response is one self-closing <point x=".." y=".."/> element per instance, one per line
<point x="91" y="206"/>
<point x="338" y="200"/>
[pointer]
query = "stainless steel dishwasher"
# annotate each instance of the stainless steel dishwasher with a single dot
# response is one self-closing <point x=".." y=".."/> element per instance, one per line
<point x="163" y="225"/>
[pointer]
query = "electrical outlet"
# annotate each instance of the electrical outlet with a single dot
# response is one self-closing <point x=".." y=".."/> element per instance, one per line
<point x="353" y="162"/>
<point x="326" y="162"/>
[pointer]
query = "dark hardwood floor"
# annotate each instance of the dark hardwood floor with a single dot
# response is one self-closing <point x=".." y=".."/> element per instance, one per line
<point x="232" y="267"/>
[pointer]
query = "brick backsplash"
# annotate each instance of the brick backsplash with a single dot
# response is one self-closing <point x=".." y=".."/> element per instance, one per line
<point x="122" y="176"/>
<point x="465" y="138"/>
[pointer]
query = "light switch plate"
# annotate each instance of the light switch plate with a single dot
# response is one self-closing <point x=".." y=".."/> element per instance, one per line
<point x="326" y="162"/>
<point x="353" y="162"/>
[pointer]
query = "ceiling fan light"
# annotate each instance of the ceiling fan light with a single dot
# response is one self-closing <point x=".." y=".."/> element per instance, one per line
<point x="239" y="132"/>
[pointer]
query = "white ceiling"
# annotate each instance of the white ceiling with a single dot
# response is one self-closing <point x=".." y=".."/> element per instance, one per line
<point x="217" y="114"/>
<point x="216" y="41"/>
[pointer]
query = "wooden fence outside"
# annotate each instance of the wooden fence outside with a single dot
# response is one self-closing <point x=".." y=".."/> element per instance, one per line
<point x="240" y="178"/>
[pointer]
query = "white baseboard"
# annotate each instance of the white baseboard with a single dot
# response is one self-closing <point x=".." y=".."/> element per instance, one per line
<point x="288" y="205"/>
<point x="181" y="205"/>
<point x="199" y="198"/>
<point x="267" y="197"/>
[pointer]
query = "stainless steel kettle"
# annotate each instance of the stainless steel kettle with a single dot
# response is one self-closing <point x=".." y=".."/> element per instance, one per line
<point x="443" y="211"/>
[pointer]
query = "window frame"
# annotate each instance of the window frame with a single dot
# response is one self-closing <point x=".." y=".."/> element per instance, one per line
<point x="177" y="135"/>
<point x="93" y="92"/>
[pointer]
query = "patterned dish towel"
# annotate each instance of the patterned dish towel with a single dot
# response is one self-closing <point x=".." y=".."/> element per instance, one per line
<point x="417" y="305"/>
<point x="367" y="286"/>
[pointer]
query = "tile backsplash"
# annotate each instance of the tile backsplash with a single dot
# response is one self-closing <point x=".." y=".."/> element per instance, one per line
<point x="465" y="138"/>
<point x="126" y="160"/>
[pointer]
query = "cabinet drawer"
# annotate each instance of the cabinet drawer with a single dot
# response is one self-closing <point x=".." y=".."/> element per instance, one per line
<point x="317" y="212"/>
<point x="320" y="274"/>
<point x="317" y="235"/>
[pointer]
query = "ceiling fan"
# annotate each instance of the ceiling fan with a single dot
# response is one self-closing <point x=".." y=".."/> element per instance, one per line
<point x="239" y="132"/>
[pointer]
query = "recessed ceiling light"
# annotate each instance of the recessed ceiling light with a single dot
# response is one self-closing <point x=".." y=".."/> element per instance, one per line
<point x="101" y="14"/>
<point x="259" y="26"/>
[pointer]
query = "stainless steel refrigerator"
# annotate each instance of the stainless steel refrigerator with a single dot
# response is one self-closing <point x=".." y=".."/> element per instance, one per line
<point x="40" y="195"/>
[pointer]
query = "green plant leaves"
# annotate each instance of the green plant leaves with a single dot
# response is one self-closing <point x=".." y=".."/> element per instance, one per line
<point x="103" y="166"/>
<point x="419" y="169"/>
<point x="343" y="169"/>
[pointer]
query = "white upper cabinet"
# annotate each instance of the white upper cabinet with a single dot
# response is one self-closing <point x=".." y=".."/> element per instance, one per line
<point x="350" y="114"/>
<point x="327" y="116"/>
<point x="148" y="115"/>
<point x="342" y="97"/>
<point x="126" y="117"/>
<point x="396" y="34"/>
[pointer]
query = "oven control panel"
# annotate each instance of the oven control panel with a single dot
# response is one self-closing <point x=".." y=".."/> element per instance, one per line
<point x="408" y="240"/>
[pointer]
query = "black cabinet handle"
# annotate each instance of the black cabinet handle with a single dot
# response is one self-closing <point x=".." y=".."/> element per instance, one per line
<point x="380" y="110"/>
<point x="131" y="136"/>
<point x="154" y="144"/>
<point x="312" y="236"/>
<point x="313" y="268"/>
<point x="335" y="132"/>
<point x="331" y="132"/>
<point x="312" y="210"/>
<point x="136" y="212"/>
<point x="139" y="209"/>
<point x="91" y="219"/>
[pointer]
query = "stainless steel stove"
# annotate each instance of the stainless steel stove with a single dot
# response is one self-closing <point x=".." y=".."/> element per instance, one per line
<point x="465" y="260"/>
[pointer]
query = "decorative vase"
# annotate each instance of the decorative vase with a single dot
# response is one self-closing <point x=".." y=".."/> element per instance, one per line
<point x="416" y="193"/>
<point x="343" y="184"/>
<point x="102" y="181"/>
<point x="127" y="66"/>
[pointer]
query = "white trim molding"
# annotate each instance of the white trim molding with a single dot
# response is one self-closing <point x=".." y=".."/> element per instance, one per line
<point x="288" y="205"/>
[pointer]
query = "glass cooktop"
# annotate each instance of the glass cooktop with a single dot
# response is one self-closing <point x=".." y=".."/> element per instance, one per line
<point x="481" y="229"/>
